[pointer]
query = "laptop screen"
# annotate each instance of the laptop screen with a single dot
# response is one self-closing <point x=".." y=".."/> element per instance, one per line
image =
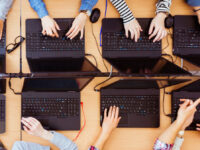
<point x="133" y="84"/>
<point x="55" y="84"/>
<point x="2" y="85"/>
<point x="144" y="84"/>
<point x="193" y="87"/>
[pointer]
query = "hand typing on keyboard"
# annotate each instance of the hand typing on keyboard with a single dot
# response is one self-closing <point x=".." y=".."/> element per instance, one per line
<point x="50" y="27"/>
<point x="1" y="28"/>
<point x="33" y="127"/>
<point x="186" y="112"/>
<point x="134" y="28"/>
<point x="110" y="122"/>
<point x="157" y="27"/>
<point x="77" y="26"/>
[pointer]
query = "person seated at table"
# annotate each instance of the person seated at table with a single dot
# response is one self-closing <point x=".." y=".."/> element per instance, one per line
<point x="172" y="137"/>
<point x="33" y="127"/>
<point x="196" y="6"/>
<point x="5" y="6"/>
<point x="110" y="122"/>
<point x="50" y="26"/>
<point x="157" y="28"/>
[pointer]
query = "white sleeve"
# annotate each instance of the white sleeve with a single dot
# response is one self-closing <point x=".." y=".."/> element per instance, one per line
<point x="178" y="143"/>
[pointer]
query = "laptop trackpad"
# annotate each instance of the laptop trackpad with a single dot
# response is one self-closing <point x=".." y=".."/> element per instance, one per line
<point x="143" y="121"/>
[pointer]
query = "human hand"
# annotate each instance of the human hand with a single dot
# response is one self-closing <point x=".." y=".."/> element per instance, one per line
<point x="33" y="127"/>
<point x="186" y="112"/>
<point x="50" y="27"/>
<point x="157" y="27"/>
<point x="1" y="28"/>
<point x="77" y="26"/>
<point x="134" y="28"/>
<point x="110" y="121"/>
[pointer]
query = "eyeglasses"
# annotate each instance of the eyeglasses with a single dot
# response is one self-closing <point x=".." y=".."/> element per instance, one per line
<point x="18" y="41"/>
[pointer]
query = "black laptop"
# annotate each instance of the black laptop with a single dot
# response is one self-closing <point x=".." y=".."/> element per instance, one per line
<point x="47" y="54"/>
<point x="138" y="100"/>
<point x="131" y="57"/>
<point x="2" y="113"/>
<point x="54" y="102"/>
<point x="3" y="50"/>
<point x="186" y="38"/>
<point x="190" y="91"/>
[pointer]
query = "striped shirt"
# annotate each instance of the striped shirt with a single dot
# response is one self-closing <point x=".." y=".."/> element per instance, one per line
<point x="126" y="14"/>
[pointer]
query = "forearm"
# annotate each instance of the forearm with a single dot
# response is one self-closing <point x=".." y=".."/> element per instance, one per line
<point x="163" y="6"/>
<point x="169" y="135"/>
<point x="101" y="141"/>
<point x="39" y="7"/>
<point x="4" y="8"/>
<point x="88" y="4"/>
<point x="123" y="9"/>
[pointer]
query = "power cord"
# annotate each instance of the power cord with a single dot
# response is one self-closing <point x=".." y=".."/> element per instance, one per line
<point x="168" y="115"/>
<point x="10" y="86"/>
<point x="94" y="59"/>
<point x="84" y="124"/>
<point x="98" y="47"/>
<point x="101" y="25"/>
<point x="109" y="77"/>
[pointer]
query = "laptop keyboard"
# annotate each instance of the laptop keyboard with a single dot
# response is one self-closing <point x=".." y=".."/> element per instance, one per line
<point x="175" y="107"/>
<point x="140" y="105"/>
<point x="2" y="110"/>
<point x="187" y="38"/>
<point x="55" y="107"/>
<point x="38" y="42"/>
<point x="118" y="41"/>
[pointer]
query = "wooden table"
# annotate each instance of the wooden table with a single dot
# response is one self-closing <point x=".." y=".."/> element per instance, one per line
<point x="126" y="138"/>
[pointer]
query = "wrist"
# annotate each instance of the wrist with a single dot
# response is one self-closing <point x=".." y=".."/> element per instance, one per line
<point x="179" y="124"/>
<point x="181" y="134"/>
<point x="162" y="14"/>
<point x="105" y="135"/>
<point x="46" y="135"/>
<point x="86" y="12"/>
<point x="44" y="17"/>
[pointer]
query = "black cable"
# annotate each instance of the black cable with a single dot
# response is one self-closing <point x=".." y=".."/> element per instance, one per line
<point x="94" y="59"/>
<point x="169" y="56"/>
<point x="20" y="35"/>
<point x="170" y="34"/>
<point x="167" y="43"/>
<point x="103" y="81"/>
<point x="100" y="84"/>
<point x="98" y="47"/>
<point x="10" y="86"/>
<point x="168" y="115"/>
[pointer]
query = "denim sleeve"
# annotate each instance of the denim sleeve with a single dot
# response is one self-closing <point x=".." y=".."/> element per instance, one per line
<point x="88" y="4"/>
<point x="62" y="142"/>
<point x="39" y="7"/>
<point x="193" y="2"/>
<point x="4" y="8"/>
<point x="21" y="145"/>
